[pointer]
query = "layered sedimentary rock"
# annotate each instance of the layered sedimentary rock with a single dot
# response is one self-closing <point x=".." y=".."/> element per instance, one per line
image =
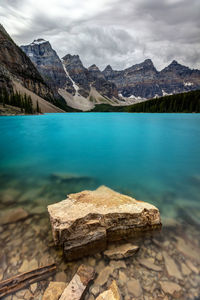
<point x="87" y="78"/>
<point x="144" y="81"/>
<point x="85" y="222"/>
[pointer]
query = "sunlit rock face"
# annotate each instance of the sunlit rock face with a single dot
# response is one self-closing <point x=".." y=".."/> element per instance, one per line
<point x="144" y="81"/>
<point x="85" y="222"/>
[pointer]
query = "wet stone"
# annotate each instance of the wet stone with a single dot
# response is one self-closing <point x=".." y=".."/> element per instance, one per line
<point x="121" y="252"/>
<point x="122" y="278"/>
<point x="170" y="288"/>
<point x="185" y="270"/>
<point x="13" y="215"/>
<point x="54" y="291"/>
<point x="134" y="287"/>
<point x="171" y="267"/>
<point x="61" y="277"/>
<point x="148" y="263"/>
<point x="28" y="265"/>
<point x="112" y="293"/>
<point x="33" y="287"/>
<point x="104" y="275"/>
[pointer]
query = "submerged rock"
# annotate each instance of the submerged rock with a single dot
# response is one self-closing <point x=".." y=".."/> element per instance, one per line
<point x="171" y="267"/>
<point x="54" y="290"/>
<point x="149" y="264"/>
<point x="122" y="251"/>
<point x="170" y="288"/>
<point x="111" y="294"/>
<point x="104" y="275"/>
<point x="13" y="215"/>
<point x="86" y="221"/>
<point x="134" y="287"/>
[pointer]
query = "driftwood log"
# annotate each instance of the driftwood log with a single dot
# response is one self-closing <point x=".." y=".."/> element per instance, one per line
<point x="20" y="281"/>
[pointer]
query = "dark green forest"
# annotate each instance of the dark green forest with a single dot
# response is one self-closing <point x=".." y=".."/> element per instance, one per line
<point x="24" y="102"/>
<point x="180" y="103"/>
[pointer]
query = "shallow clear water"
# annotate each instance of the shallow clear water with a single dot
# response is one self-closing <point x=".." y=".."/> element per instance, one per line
<point x="152" y="157"/>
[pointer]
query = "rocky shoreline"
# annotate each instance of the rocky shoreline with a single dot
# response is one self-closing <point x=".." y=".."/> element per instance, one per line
<point x="163" y="266"/>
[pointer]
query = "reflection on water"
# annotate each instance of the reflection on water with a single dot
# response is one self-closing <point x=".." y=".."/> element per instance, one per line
<point x="171" y="257"/>
<point x="151" y="157"/>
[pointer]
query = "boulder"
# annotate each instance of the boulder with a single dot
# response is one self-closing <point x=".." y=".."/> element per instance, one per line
<point x="85" y="222"/>
<point x="79" y="283"/>
<point x="111" y="294"/>
<point x="121" y="252"/>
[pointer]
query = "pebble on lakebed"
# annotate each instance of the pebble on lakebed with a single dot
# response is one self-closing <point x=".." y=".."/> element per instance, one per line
<point x="85" y="222"/>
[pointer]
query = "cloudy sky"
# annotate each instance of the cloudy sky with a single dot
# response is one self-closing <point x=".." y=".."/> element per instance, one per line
<point x="115" y="32"/>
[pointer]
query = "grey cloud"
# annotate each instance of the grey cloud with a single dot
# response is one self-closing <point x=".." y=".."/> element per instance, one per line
<point x="120" y="33"/>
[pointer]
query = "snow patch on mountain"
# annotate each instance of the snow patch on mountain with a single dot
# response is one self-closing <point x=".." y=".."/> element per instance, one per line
<point x="188" y="83"/>
<point x="75" y="86"/>
<point x="38" y="42"/>
<point x="165" y="93"/>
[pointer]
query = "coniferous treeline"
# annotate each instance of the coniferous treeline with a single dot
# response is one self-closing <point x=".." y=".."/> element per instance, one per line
<point x="186" y="103"/>
<point x="179" y="103"/>
<point x="16" y="99"/>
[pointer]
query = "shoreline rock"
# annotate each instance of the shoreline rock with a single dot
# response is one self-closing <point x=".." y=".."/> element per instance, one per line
<point x="85" y="222"/>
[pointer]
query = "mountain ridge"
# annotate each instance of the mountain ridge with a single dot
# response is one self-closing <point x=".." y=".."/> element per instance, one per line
<point x="122" y="87"/>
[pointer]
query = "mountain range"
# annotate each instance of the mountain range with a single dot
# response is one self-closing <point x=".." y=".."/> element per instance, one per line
<point x="67" y="82"/>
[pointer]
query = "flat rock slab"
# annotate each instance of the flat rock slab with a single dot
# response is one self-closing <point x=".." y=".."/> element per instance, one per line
<point x="79" y="283"/>
<point x="171" y="288"/>
<point x="86" y="221"/>
<point x="122" y="251"/>
<point x="54" y="290"/>
<point x="146" y="262"/>
<point x="13" y="215"/>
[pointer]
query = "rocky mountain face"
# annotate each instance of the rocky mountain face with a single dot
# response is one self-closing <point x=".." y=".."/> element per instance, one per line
<point x="68" y="77"/>
<point x="47" y="62"/>
<point x="87" y="78"/>
<point x="15" y="65"/>
<point x="83" y="87"/>
<point x="144" y="81"/>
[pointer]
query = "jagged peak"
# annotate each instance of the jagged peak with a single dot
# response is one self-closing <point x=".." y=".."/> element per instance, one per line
<point x="148" y="61"/>
<point x="69" y="56"/>
<point x="174" y="63"/>
<point x="93" y="68"/>
<point x="108" y="68"/>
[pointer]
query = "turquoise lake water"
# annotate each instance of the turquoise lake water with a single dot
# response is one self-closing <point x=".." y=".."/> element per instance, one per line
<point x="153" y="157"/>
